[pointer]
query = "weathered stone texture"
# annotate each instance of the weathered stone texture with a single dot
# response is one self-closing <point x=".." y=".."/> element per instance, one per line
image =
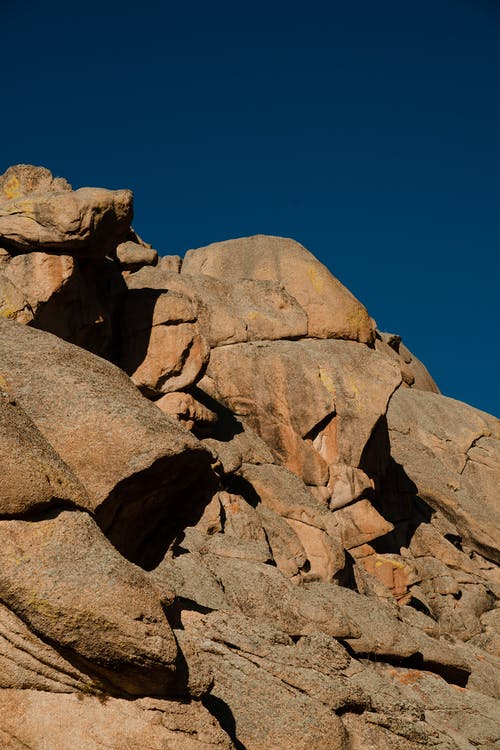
<point x="254" y="523"/>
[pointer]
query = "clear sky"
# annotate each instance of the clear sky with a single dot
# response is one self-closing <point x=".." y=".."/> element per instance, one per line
<point x="369" y="131"/>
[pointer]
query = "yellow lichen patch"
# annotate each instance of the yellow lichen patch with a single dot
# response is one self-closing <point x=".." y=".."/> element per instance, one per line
<point x="358" y="318"/>
<point x="327" y="381"/>
<point x="42" y="606"/>
<point x="25" y="207"/>
<point x="12" y="188"/>
<point x="394" y="563"/>
<point x="317" y="279"/>
<point x="8" y="312"/>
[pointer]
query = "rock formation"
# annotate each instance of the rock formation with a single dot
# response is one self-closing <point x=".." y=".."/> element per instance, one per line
<point x="233" y="514"/>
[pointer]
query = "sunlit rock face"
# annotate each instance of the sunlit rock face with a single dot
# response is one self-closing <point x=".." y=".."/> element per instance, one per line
<point x="233" y="514"/>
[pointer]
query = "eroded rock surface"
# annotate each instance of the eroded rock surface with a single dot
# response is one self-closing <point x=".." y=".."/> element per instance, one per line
<point x="332" y="311"/>
<point x="89" y="222"/>
<point x="254" y="523"/>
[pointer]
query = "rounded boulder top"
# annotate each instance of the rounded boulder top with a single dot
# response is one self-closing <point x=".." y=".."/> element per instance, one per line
<point x="332" y="311"/>
<point x="22" y="179"/>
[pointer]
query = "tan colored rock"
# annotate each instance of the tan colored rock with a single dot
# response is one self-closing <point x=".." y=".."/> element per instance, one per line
<point x="134" y="462"/>
<point x="251" y="588"/>
<point x="145" y="308"/>
<point x="332" y="311"/>
<point x="5" y="258"/>
<point x="465" y="717"/>
<point x="400" y="705"/>
<point x="65" y="580"/>
<point x="374" y="730"/>
<point x="324" y="553"/>
<point x="327" y="397"/>
<point x="413" y="372"/>
<point x="286" y="548"/>
<point x="133" y="256"/>
<point x="83" y="309"/>
<point x="427" y="541"/>
<point x="240" y="519"/>
<point x="89" y="222"/>
<point x="457" y="586"/>
<point x="162" y="348"/>
<point x="40" y="276"/>
<point x="281" y="695"/>
<point x="252" y="310"/>
<point x="244" y="446"/>
<point x="190" y="579"/>
<point x="37" y="720"/>
<point x="32" y="475"/>
<point x="455" y="599"/>
<point x="385" y="575"/>
<point x="383" y="632"/>
<point x="170" y="263"/>
<point x="282" y="492"/>
<point x="347" y="483"/>
<point x="186" y="409"/>
<point x="489" y="639"/>
<point x="360" y="523"/>
<point x="174" y="359"/>
<point x="210" y="521"/>
<point x="23" y="179"/>
<point x="423" y="381"/>
<point x="27" y="663"/>
<point x="310" y="446"/>
<point x="76" y="301"/>
<point x="446" y="449"/>
<point x="248" y="543"/>
<point x="13" y="303"/>
<point x="377" y="629"/>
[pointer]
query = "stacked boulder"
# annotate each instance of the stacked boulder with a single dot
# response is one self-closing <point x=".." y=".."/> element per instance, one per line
<point x="233" y="514"/>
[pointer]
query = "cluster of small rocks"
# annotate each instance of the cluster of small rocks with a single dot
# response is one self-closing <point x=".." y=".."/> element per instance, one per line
<point x="233" y="514"/>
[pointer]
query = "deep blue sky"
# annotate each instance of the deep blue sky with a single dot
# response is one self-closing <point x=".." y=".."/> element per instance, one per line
<point x="369" y="131"/>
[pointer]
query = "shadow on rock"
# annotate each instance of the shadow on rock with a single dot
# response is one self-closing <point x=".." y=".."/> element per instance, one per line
<point x="137" y="312"/>
<point x="396" y="496"/>
<point x="85" y="310"/>
<point x="226" y="426"/>
<point x="148" y="511"/>
<point x="221" y="711"/>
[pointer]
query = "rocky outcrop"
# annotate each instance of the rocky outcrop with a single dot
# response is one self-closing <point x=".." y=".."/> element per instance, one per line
<point x="89" y="222"/>
<point x="21" y="180"/>
<point x="132" y="256"/>
<point x="65" y="581"/>
<point x="332" y="311"/>
<point x="233" y="514"/>
<point x="162" y="347"/>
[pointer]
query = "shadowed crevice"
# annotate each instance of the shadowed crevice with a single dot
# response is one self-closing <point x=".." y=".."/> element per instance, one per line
<point x="319" y="427"/>
<point x="398" y="502"/>
<point x="173" y="612"/>
<point x="221" y="711"/>
<point x="451" y="674"/>
<point x="84" y="311"/>
<point x="395" y="496"/>
<point x="238" y="485"/>
<point x="44" y="511"/>
<point x="137" y="308"/>
<point x="146" y="512"/>
<point x="226" y="426"/>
